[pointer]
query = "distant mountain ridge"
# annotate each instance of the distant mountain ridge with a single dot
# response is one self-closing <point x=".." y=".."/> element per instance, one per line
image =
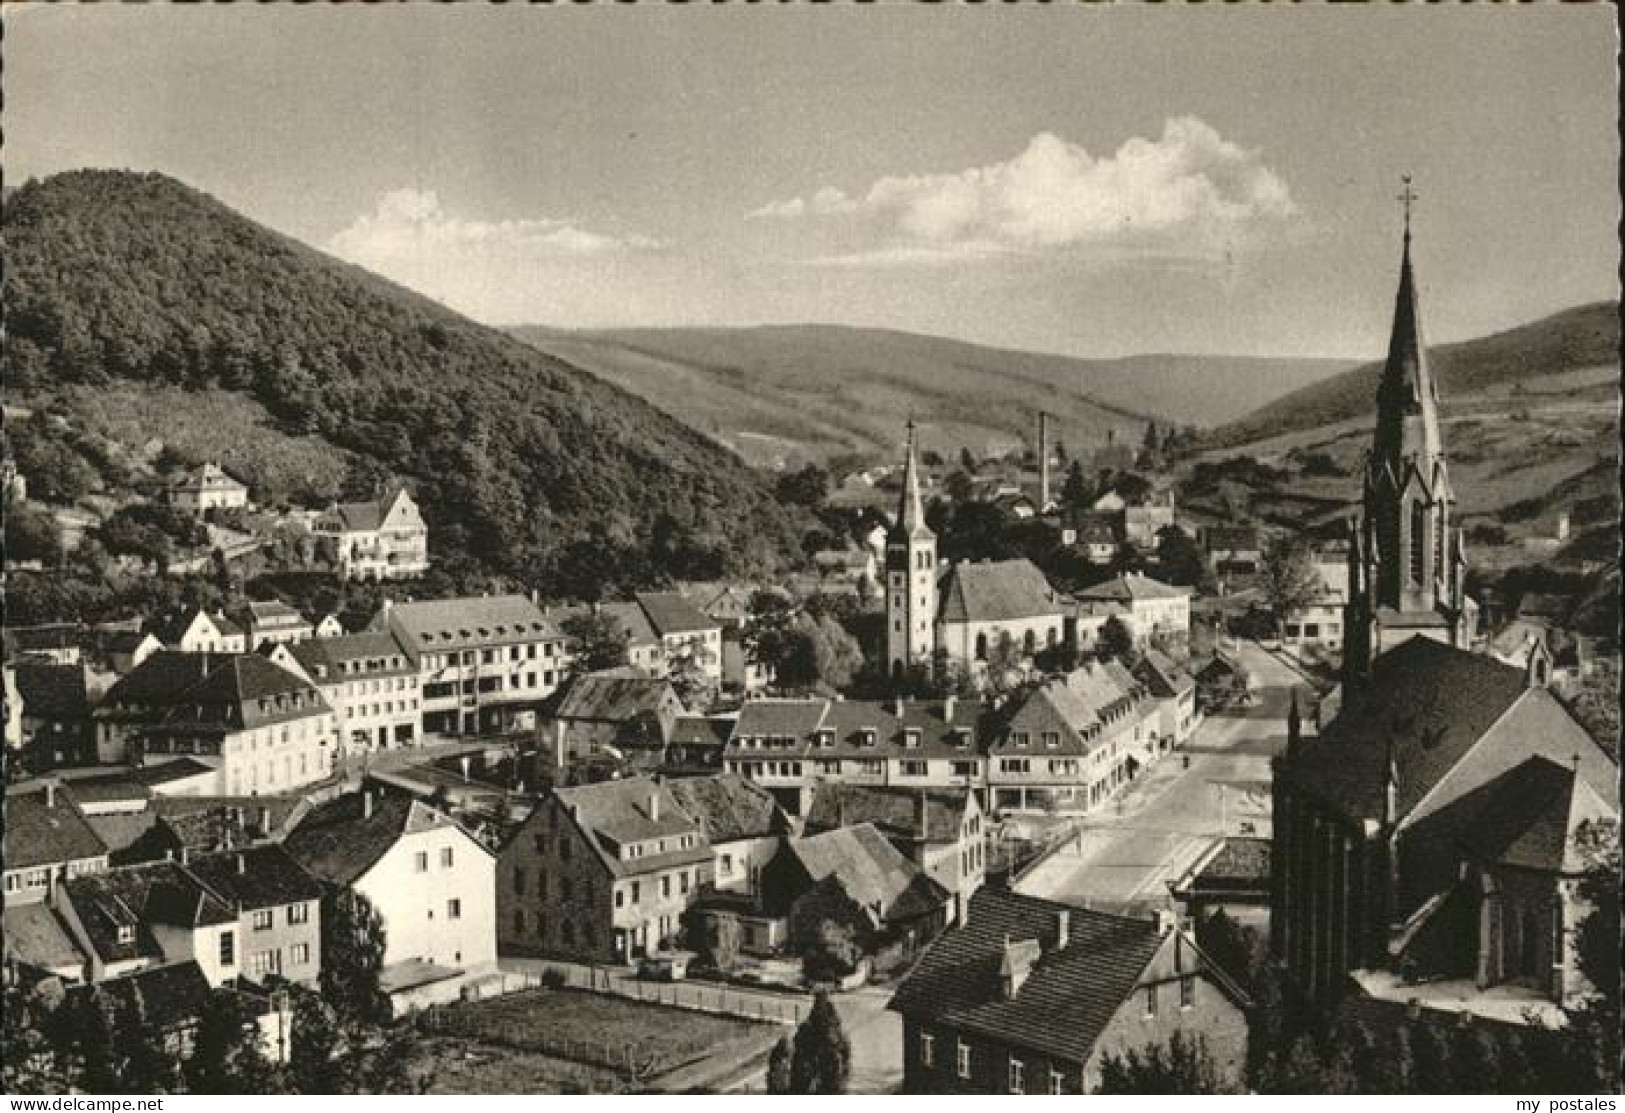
<point x="820" y="390"/>
<point x="1577" y="339"/>
<point x="121" y="284"/>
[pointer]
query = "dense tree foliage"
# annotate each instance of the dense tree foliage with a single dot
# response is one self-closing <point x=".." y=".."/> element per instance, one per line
<point x="121" y="278"/>
<point x="1182" y="1065"/>
<point x="353" y="959"/>
<point x="822" y="1063"/>
<point x="596" y="640"/>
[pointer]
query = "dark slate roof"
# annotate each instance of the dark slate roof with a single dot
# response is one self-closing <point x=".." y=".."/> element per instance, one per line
<point x="871" y="871"/>
<point x="893" y="811"/>
<point x="37" y="835"/>
<point x="436" y="625"/>
<point x="670" y="613"/>
<point x="1529" y="816"/>
<point x="256" y="877"/>
<point x="1435" y="703"/>
<point x="328" y="659"/>
<point x="244" y="692"/>
<point x="170" y="626"/>
<point x="701" y="730"/>
<point x="103" y="788"/>
<point x="803" y="721"/>
<point x="161" y="680"/>
<point x="615" y="813"/>
<point x="338" y="841"/>
<point x="728" y="807"/>
<point x="167" y="997"/>
<point x="169" y="771"/>
<point x="613" y="698"/>
<point x="39" y="639"/>
<point x="138" y="897"/>
<point x="1069" y="995"/>
<point x="358" y="516"/>
<point x="51" y="691"/>
<point x="996" y="591"/>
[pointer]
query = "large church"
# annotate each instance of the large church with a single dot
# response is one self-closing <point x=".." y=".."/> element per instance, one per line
<point x="1428" y="843"/>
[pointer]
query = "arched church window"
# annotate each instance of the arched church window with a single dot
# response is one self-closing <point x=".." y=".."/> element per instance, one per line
<point x="1440" y="569"/>
<point x="1419" y="517"/>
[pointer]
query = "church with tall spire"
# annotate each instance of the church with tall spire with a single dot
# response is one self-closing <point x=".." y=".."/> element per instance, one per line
<point x="911" y="575"/>
<point x="1406" y="560"/>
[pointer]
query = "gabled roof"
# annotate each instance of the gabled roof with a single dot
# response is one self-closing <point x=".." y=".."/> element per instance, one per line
<point x="614" y="698"/>
<point x="1070" y="993"/>
<point x="1442" y="709"/>
<point x="106" y="788"/>
<point x="137" y="897"/>
<point x="431" y="626"/>
<point x="615" y="813"/>
<point x="326" y="659"/>
<point x="170" y="771"/>
<point x="1530" y="817"/>
<point x="52" y="691"/>
<point x="255" y="877"/>
<point x="41" y="835"/>
<point x="209" y="477"/>
<point x="894" y="811"/>
<point x="871" y="871"/>
<point x="161" y="680"/>
<point x="914" y="728"/>
<point x="794" y="718"/>
<point x="728" y="807"/>
<point x="670" y="613"/>
<point x="996" y="591"/>
<point x="165" y="997"/>
<point x="242" y="692"/>
<point x="701" y="730"/>
<point x="1132" y="587"/>
<point x="35" y="935"/>
<point x="1162" y="675"/>
<point x="171" y="626"/>
<point x="340" y="840"/>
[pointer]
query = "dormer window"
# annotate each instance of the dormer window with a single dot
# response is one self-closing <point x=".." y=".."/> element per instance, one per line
<point x="826" y="739"/>
<point x="126" y="933"/>
<point x="1052" y="738"/>
<point x="911" y="739"/>
<point x="867" y="736"/>
<point x="1019" y="738"/>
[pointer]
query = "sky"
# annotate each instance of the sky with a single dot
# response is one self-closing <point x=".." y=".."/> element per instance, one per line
<point x="1090" y="180"/>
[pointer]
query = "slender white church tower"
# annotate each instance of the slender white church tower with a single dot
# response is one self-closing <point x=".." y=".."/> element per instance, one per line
<point x="911" y="577"/>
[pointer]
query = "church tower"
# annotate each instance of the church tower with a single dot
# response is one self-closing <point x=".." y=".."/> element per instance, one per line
<point x="1405" y="575"/>
<point x="911" y="576"/>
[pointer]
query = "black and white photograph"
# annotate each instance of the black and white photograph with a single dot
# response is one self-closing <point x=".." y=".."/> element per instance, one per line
<point x="629" y="549"/>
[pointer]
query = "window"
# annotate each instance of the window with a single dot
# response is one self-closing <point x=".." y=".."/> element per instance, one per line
<point x="682" y="882"/>
<point x="962" y="1059"/>
<point x="228" y="948"/>
<point x="519" y="881"/>
<point x="454" y="909"/>
<point x="1187" y="992"/>
<point x="298" y="913"/>
<point x="261" y="963"/>
<point x="420" y="861"/>
<point x="727" y="865"/>
<point x="665" y="886"/>
<point x="1052" y="738"/>
<point x="1019" y="738"/>
<point x="126" y="933"/>
<point x="1150" y="1000"/>
<point x="636" y="888"/>
<point x="914" y="768"/>
<point x="299" y="954"/>
<point x="620" y="898"/>
<point x="519" y="921"/>
<point x="262" y="919"/>
<point x="1015" y="765"/>
<point x="964" y="769"/>
<point x="1018" y="1076"/>
<point x="445" y="857"/>
<point x="927" y="1048"/>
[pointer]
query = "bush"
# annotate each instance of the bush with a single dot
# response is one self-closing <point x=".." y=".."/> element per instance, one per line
<point x="832" y="955"/>
<point x="553" y="978"/>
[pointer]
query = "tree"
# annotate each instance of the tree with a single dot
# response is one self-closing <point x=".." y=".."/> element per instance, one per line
<point x="1180" y="560"/>
<point x="352" y="959"/>
<point x="89" y="1023"/>
<point x="226" y="1056"/>
<point x="832" y="953"/>
<point x="31" y="535"/>
<point x="147" y="1066"/>
<point x="822" y="1061"/>
<point x="316" y="1061"/>
<point x="693" y="685"/>
<point x="1237" y="949"/>
<point x="1593" y="1028"/>
<point x="1180" y="1066"/>
<point x="1288" y="577"/>
<point x="1596" y="704"/>
<point x="779" y="1060"/>
<point x="1075" y="491"/>
<point x="35" y="1059"/>
<point x="1116" y="642"/>
<point x="806" y="487"/>
<point x="597" y="640"/>
<point x="716" y="937"/>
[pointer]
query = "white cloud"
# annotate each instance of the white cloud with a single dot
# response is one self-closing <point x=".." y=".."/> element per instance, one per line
<point x="494" y="270"/>
<point x="409" y="224"/>
<point x="1189" y="192"/>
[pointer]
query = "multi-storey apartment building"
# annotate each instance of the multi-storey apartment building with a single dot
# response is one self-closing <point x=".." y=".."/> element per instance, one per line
<point x="371" y="683"/>
<point x="382" y="540"/>
<point x="600" y="872"/>
<point x="484" y="664"/>
<point x="790" y="746"/>
<point x="278" y="909"/>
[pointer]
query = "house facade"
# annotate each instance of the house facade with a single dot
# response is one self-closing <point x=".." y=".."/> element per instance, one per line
<point x="370" y="682"/>
<point x="382" y="540"/>
<point x="208" y="488"/>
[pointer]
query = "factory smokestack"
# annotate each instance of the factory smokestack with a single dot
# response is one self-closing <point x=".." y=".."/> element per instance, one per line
<point x="1043" y="461"/>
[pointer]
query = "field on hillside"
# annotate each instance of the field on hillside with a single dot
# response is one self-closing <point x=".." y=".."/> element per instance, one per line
<point x="782" y="395"/>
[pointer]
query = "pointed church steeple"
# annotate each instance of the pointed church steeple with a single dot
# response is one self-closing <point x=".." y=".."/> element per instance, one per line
<point x="1408" y="399"/>
<point x="910" y="508"/>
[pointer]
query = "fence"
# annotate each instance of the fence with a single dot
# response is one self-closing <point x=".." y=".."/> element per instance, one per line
<point x="702" y="997"/>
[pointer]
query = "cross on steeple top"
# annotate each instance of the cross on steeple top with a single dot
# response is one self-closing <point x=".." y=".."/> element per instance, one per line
<point x="1407" y="197"/>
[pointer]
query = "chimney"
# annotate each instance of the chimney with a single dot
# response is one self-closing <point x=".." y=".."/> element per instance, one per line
<point x="1043" y="461"/>
<point x="1063" y="928"/>
<point x="897" y="707"/>
<point x="265" y="820"/>
<point x="654" y="805"/>
<point x="463" y="763"/>
<point x="366" y="804"/>
<point x="186" y="855"/>
<point x="948" y="705"/>
<point x="242" y="864"/>
<point x="50" y="794"/>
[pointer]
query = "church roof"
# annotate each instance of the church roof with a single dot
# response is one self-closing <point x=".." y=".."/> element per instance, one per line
<point x="996" y="591"/>
<point x="910" y="510"/>
<point x="1408" y="396"/>
<point x="1531" y="815"/>
<point x="1451" y="716"/>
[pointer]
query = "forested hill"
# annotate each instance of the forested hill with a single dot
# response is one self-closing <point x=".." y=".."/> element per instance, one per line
<point x="124" y="282"/>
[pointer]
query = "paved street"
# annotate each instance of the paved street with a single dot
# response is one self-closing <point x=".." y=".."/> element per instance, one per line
<point x="1128" y="852"/>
